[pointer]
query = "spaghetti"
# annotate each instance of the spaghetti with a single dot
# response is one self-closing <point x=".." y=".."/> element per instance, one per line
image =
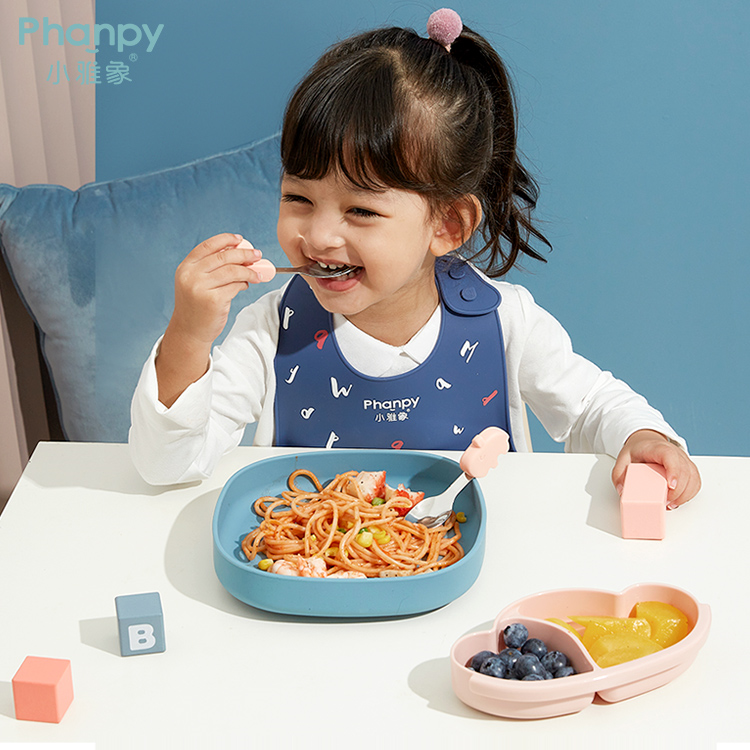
<point x="354" y="535"/>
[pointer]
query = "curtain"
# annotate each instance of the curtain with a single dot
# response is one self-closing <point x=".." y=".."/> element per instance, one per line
<point x="47" y="135"/>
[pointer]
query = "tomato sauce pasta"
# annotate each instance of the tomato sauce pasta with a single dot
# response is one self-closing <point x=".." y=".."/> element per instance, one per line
<point x="338" y="531"/>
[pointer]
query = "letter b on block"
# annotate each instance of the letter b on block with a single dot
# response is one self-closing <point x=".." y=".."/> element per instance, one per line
<point x="141" y="637"/>
<point x="141" y="624"/>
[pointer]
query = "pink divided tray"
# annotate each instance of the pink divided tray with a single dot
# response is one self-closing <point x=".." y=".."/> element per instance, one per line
<point x="565" y="695"/>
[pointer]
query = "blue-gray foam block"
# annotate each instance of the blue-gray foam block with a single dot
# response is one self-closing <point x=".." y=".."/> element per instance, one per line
<point x="140" y="622"/>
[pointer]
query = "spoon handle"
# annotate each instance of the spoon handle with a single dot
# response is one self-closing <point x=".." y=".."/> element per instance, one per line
<point x="266" y="270"/>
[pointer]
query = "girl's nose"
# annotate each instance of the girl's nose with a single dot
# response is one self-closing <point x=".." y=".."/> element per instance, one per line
<point x="323" y="232"/>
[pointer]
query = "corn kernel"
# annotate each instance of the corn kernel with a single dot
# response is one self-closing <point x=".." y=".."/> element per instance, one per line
<point x="381" y="536"/>
<point x="461" y="517"/>
<point x="364" y="539"/>
<point x="265" y="564"/>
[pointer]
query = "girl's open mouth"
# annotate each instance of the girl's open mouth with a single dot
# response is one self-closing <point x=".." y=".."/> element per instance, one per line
<point x="341" y="282"/>
<point x="336" y="270"/>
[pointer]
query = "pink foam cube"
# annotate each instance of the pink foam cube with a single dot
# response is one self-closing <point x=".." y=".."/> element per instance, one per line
<point x="42" y="689"/>
<point x="643" y="502"/>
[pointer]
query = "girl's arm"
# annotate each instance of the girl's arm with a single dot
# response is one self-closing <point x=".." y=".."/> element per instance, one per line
<point x="206" y="282"/>
<point x="184" y="442"/>
<point x="583" y="406"/>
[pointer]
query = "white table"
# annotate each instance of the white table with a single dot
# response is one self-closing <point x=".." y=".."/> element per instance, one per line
<point x="82" y="528"/>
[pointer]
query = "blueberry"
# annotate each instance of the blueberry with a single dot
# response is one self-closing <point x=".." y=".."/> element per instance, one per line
<point x="566" y="671"/>
<point x="494" y="667"/>
<point x="530" y="677"/>
<point x="510" y="656"/>
<point x="554" y="660"/>
<point x="515" y="635"/>
<point x="478" y="659"/>
<point x="534" y="646"/>
<point x="528" y="664"/>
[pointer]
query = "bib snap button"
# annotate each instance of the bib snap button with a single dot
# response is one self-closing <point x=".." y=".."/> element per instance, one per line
<point x="457" y="271"/>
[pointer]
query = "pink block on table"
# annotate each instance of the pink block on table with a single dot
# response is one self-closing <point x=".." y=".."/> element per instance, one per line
<point x="643" y="502"/>
<point x="42" y="689"/>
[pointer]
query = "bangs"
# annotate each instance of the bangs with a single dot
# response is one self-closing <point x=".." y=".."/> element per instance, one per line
<point x="359" y="122"/>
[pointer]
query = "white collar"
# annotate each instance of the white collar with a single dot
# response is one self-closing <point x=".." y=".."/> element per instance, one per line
<point x="375" y="358"/>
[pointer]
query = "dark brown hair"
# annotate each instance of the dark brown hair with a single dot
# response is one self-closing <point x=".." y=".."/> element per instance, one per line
<point x="390" y="109"/>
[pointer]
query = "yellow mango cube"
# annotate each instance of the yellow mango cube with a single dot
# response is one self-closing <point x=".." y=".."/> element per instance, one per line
<point x="618" y="648"/>
<point x="564" y="624"/>
<point x="596" y="627"/>
<point x="668" y="624"/>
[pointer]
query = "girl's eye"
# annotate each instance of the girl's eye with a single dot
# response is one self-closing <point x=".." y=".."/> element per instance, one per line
<point x="364" y="213"/>
<point x="292" y="198"/>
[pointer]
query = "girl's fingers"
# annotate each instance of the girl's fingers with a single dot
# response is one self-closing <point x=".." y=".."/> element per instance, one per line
<point x="233" y="289"/>
<point x="618" y="472"/>
<point x="683" y="479"/>
<point x="687" y="488"/>
<point x="228" y="256"/>
<point x="214" y="244"/>
<point x="231" y="273"/>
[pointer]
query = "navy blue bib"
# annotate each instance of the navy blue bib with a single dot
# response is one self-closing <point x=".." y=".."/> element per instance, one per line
<point x="322" y="401"/>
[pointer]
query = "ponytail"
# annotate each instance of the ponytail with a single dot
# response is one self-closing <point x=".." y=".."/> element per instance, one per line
<point x="507" y="192"/>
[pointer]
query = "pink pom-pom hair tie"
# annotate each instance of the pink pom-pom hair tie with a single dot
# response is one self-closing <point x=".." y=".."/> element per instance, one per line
<point x="444" y="26"/>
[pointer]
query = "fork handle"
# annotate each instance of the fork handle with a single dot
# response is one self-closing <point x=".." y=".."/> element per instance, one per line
<point x="458" y="484"/>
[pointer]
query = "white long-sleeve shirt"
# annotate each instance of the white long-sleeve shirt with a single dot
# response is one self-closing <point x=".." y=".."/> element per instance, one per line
<point x="579" y="404"/>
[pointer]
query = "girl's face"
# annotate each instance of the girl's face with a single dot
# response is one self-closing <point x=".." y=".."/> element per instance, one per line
<point x="389" y="236"/>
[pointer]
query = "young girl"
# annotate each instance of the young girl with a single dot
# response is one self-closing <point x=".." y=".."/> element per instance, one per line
<point x="397" y="151"/>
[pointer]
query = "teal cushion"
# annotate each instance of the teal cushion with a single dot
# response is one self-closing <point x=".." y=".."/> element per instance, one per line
<point x="95" y="268"/>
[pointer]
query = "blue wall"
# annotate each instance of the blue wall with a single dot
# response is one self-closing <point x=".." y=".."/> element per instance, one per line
<point x="633" y="116"/>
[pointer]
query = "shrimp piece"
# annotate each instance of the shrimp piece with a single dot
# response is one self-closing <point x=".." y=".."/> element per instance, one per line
<point x="371" y="484"/>
<point x="347" y="574"/>
<point x="311" y="567"/>
<point x="284" y="568"/>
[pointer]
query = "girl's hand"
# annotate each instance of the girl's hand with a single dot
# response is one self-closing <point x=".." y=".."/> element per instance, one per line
<point x="649" y="446"/>
<point x="207" y="281"/>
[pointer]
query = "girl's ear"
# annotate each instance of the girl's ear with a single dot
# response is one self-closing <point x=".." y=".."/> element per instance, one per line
<point x="456" y="225"/>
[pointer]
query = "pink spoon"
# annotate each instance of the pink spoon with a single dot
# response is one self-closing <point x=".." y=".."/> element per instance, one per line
<point x="266" y="270"/>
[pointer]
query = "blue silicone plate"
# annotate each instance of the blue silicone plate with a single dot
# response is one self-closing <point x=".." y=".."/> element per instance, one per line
<point x="373" y="597"/>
